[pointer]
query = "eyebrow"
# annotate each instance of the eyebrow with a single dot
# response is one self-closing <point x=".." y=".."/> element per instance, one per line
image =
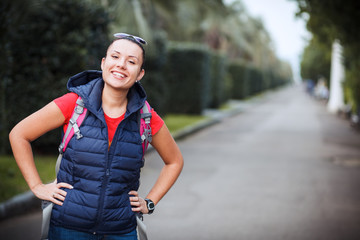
<point x="128" y="56"/>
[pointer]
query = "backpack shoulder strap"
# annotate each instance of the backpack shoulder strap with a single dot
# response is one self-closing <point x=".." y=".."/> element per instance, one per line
<point x="76" y="120"/>
<point x="145" y="127"/>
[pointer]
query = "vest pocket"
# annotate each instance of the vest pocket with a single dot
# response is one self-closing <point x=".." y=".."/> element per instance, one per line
<point x="75" y="213"/>
<point x="65" y="203"/>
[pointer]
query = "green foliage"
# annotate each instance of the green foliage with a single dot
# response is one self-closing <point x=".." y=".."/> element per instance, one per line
<point x="188" y="78"/>
<point x="333" y="19"/>
<point x="316" y="61"/>
<point x="13" y="13"/>
<point x="254" y="80"/>
<point x="56" y="39"/>
<point x="352" y="84"/>
<point x="238" y="70"/>
<point x="218" y="73"/>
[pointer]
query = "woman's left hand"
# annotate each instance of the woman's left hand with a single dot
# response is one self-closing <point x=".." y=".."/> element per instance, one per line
<point x="138" y="204"/>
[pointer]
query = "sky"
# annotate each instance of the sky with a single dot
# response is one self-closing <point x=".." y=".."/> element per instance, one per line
<point x="288" y="33"/>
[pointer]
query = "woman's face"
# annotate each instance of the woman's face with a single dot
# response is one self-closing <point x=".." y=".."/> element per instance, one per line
<point x="122" y="65"/>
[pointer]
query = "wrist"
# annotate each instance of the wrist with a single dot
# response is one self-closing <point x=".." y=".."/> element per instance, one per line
<point x="33" y="187"/>
<point x="150" y="205"/>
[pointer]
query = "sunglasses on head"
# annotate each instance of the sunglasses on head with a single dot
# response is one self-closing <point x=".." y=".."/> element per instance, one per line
<point x="136" y="38"/>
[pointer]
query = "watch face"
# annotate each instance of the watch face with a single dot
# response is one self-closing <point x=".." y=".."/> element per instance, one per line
<point x="151" y="205"/>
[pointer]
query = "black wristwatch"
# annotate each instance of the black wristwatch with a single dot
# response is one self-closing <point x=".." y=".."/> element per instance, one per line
<point x="150" y="205"/>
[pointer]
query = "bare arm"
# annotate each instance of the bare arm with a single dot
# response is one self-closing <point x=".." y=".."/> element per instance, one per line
<point x="170" y="153"/>
<point x="21" y="136"/>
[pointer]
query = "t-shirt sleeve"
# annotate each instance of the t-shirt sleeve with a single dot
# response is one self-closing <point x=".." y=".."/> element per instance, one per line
<point x="67" y="103"/>
<point x="156" y="122"/>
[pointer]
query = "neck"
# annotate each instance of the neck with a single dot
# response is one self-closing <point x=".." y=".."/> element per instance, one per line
<point x="114" y="102"/>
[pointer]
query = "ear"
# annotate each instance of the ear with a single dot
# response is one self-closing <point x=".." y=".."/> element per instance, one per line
<point x="102" y="63"/>
<point x="141" y="74"/>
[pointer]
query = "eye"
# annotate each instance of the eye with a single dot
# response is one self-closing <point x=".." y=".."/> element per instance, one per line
<point x="132" y="62"/>
<point x="115" y="56"/>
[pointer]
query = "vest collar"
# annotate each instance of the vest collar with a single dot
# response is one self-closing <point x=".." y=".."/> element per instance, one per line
<point x="89" y="85"/>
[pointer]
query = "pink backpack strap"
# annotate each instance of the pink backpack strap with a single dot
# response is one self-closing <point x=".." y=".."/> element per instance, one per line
<point x="145" y="127"/>
<point x="76" y="120"/>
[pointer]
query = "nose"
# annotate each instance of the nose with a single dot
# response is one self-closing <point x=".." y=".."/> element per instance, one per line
<point x="121" y="63"/>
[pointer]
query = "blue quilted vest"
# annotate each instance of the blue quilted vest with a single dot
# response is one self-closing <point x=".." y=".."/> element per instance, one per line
<point x="102" y="177"/>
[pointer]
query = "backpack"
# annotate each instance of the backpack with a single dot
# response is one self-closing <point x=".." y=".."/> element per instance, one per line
<point x="78" y="116"/>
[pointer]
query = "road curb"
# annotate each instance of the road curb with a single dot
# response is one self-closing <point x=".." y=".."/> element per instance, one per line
<point x="18" y="205"/>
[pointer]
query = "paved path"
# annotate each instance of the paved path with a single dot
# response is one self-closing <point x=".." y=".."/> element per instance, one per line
<point x="282" y="169"/>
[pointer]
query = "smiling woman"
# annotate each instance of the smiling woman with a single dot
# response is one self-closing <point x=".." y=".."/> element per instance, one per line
<point x="99" y="173"/>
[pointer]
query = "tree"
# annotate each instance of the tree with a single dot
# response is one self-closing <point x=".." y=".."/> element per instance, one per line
<point x="336" y="19"/>
<point x="55" y="39"/>
<point x="316" y="61"/>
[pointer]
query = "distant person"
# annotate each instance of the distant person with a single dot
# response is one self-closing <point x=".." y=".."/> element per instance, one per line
<point x="95" y="192"/>
<point x="310" y="86"/>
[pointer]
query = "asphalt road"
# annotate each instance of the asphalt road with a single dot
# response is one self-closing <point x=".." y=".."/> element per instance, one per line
<point x="284" y="168"/>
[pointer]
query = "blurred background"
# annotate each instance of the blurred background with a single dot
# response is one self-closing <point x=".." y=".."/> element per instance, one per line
<point x="200" y="54"/>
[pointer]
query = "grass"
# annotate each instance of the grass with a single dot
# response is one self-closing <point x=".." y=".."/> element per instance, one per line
<point x="12" y="182"/>
<point x="175" y="122"/>
<point x="225" y="106"/>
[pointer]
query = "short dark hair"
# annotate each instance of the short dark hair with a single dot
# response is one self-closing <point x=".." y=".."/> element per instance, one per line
<point x="131" y="39"/>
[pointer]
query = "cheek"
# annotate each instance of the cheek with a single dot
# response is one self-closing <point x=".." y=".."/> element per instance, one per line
<point x="107" y="63"/>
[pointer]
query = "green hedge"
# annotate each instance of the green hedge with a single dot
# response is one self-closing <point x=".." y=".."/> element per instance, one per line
<point x="248" y="80"/>
<point x="188" y="78"/>
<point x="238" y="72"/>
<point x="254" y="81"/>
<point x="218" y="77"/>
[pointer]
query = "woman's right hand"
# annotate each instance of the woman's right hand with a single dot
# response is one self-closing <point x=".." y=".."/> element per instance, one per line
<point x="52" y="192"/>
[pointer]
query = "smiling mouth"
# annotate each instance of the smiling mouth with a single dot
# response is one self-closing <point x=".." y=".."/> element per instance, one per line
<point x="118" y="75"/>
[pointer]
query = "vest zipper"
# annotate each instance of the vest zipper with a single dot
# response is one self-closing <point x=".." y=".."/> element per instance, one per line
<point x="102" y="194"/>
<point x="103" y="189"/>
<point x="105" y="181"/>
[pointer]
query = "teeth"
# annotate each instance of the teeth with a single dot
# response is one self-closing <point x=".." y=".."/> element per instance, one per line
<point x="118" y="74"/>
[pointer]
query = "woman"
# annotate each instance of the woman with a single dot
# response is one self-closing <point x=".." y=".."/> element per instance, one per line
<point x="96" y="188"/>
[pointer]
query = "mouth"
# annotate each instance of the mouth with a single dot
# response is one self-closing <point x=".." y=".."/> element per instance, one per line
<point x="119" y="75"/>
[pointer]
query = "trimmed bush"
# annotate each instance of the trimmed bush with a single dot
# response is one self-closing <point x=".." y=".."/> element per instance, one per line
<point x="218" y="74"/>
<point x="238" y="72"/>
<point x="188" y="78"/>
<point x="254" y="81"/>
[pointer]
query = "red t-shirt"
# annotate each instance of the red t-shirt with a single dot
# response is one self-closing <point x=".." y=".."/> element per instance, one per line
<point x="67" y="103"/>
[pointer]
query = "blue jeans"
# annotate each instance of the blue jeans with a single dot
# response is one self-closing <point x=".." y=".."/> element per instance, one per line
<point x="59" y="233"/>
